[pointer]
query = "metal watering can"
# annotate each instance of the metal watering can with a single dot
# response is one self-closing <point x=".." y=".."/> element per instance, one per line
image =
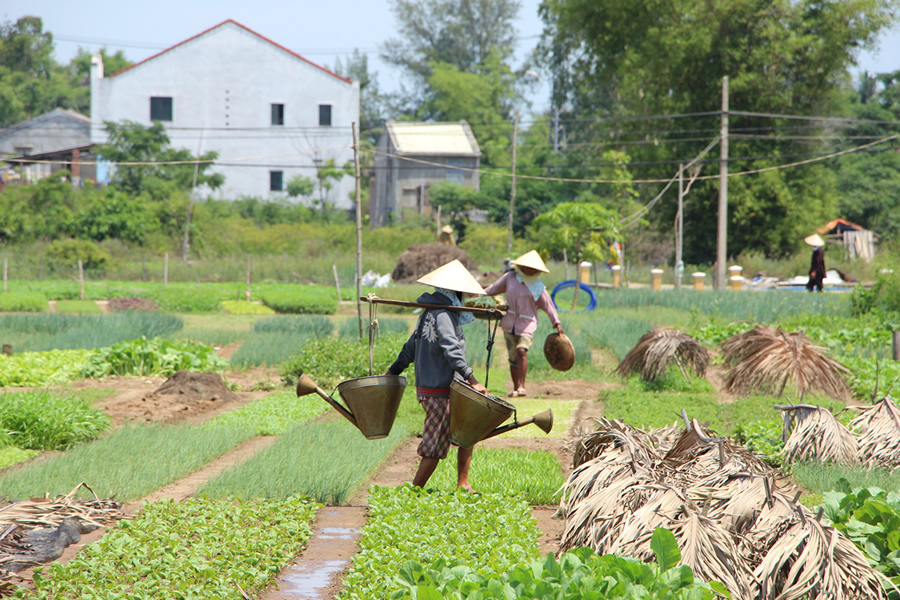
<point x="373" y="401"/>
<point x="475" y="416"/>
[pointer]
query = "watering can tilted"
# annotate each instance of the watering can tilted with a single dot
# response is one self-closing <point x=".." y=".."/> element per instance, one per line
<point x="475" y="416"/>
<point x="373" y="401"/>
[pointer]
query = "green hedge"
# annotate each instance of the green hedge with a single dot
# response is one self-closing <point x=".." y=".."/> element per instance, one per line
<point x="190" y="300"/>
<point x="301" y="300"/>
<point x="23" y="302"/>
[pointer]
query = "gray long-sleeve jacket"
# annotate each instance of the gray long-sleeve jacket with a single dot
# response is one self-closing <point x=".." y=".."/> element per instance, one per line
<point x="437" y="346"/>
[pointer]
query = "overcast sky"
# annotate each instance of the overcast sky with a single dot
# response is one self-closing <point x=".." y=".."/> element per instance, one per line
<point x="320" y="31"/>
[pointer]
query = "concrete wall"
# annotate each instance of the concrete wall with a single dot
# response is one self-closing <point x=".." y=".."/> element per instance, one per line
<point x="222" y="86"/>
<point x="400" y="185"/>
<point x="47" y="133"/>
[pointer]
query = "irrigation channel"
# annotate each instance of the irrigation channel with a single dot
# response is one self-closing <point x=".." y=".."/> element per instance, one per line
<point x="316" y="574"/>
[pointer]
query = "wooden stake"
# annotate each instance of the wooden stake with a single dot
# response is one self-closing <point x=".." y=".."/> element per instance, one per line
<point x="81" y="279"/>
<point x="337" y="282"/>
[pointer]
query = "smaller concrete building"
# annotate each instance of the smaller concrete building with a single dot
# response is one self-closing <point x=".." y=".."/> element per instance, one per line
<point x="412" y="155"/>
<point x="59" y="139"/>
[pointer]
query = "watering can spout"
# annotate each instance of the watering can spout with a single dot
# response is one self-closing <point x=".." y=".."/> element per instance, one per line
<point x="543" y="420"/>
<point x="307" y="386"/>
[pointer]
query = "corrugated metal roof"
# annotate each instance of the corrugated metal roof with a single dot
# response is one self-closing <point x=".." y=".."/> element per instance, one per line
<point x="433" y="138"/>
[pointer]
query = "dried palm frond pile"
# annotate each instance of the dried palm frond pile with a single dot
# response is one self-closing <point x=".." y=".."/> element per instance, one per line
<point x="766" y="360"/>
<point x="817" y="436"/>
<point x="50" y="512"/>
<point x="878" y="429"/>
<point x="733" y="515"/>
<point x="31" y="531"/>
<point x="658" y="349"/>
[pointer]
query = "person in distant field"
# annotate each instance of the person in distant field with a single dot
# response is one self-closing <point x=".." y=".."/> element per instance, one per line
<point x="817" y="266"/>
<point x="525" y="294"/>
<point x="446" y="235"/>
<point x="438" y="349"/>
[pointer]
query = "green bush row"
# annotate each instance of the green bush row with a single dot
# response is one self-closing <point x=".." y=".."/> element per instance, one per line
<point x="301" y="300"/>
<point x="39" y="420"/>
<point x="152" y="357"/>
<point x="23" y="302"/>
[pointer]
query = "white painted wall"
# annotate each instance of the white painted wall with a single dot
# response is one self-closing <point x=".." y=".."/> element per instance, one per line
<point x="222" y="84"/>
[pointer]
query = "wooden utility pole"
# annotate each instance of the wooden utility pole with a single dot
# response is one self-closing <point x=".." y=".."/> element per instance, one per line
<point x="679" y="227"/>
<point x="186" y="244"/>
<point x="721" y="240"/>
<point x="512" y="190"/>
<point x="358" y="229"/>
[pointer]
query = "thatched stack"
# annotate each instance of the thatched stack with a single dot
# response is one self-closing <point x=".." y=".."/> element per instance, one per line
<point x="765" y="360"/>
<point x="658" y="349"/>
<point x="878" y="427"/>
<point x="817" y="436"/>
<point x="732" y="514"/>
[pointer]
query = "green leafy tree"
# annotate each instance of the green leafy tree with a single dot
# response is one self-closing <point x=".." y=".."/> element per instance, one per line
<point x="371" y="100"/>
<point x="644" y="58"/>
<point x="159" y="169"/>
<point x="327" y="174"/>
<point x="31" y="82"/>
<point x="485" y="99"/>
<point x="300" y="185"/>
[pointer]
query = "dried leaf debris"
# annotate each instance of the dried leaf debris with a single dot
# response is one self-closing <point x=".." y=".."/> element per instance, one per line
<point x="735" y="517"/>
<point x="658" y="349"/>
<point x="23" y="523"/>
<point x="766" y="360"/>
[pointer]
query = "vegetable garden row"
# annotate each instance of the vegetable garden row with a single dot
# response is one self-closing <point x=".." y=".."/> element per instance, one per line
<point x="247" y="523"/>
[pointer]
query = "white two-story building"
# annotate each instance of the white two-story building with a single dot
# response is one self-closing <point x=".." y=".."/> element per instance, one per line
<point x="270" y="113"/>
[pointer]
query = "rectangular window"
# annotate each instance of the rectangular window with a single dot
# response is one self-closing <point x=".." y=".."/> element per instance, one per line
<point x="160" y="108"/>
<point x="325" y="114"/>
<point x="276" y="181"/>
<point x="456" y="175"/>
<point x="278" y="114"/>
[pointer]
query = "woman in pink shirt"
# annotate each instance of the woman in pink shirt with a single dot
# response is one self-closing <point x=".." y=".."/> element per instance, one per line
<point x="525" y="293"/>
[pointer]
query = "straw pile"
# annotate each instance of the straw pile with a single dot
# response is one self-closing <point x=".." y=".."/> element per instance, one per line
<point x="733" y="516"/>
<point x="766" y="360"/>
<point x="878" y="427"/>
<point x="658" y="349"/>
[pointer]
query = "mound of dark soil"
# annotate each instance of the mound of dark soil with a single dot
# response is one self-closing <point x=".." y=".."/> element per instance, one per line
<point x="193" y="388"/>
<point x="421" y="259"/>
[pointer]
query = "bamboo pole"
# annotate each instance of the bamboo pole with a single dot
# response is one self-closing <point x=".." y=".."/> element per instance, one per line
<point x="491" y="312"/>
<point x="358" y="190"/>
<point x="81" y="279"/>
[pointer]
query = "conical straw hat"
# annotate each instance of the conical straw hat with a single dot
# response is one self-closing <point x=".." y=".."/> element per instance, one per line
<point x="815" y="240"/>
<point x="453" y="276"/>
<point x="531" y="259"/>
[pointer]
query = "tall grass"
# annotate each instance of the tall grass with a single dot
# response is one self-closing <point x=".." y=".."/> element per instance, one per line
<point x="66" y="331"/>
<point x="619" y="333"/>
<point x="824" y="477"/>
<point x="349" y="328"/>
<point x="128" y="464"/>
<point x="38" y="420"/>
<point x="534" y="476"/>
<point x="761" y="307"/>
<point x="267" y="349"/>
<point x="326" y="461"/>
<point x="306" y="325"/>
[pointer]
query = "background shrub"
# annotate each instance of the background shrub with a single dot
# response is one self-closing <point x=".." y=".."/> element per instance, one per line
<point x="301" y="300"/>
<point x="23" y="302"/>
<point x="190" y="300"/>
<point x="38" y="420"/>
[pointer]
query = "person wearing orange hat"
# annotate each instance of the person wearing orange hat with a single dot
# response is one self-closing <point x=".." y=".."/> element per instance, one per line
<point x="817" y="266"/>
<point x="438" y="349"/>
<point x="525" y="294"/>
